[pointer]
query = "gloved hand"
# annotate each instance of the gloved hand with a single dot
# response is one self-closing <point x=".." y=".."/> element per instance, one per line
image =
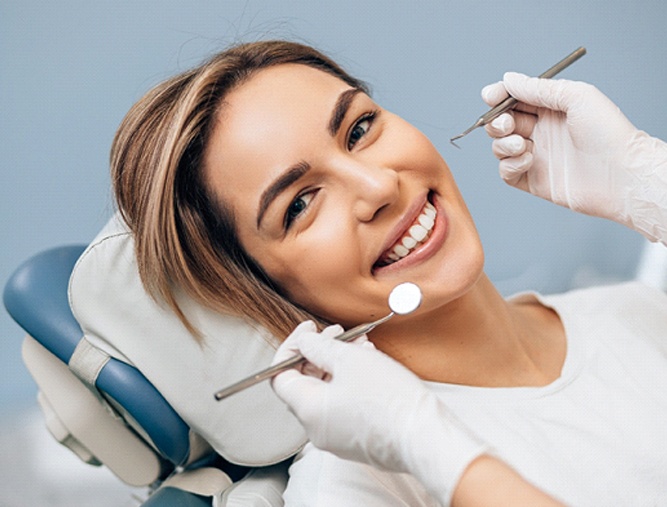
<point x="362" y="405"/>
<point x="568" y="143"/>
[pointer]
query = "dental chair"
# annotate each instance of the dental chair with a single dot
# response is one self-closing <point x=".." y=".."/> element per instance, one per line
<point x="143" y="415"/>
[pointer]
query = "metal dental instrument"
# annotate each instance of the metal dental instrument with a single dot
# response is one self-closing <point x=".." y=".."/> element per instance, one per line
<point x="510" y="102"/>
<point x="404" y="298"/>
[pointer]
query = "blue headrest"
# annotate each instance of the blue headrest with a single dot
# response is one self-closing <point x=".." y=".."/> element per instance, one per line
<point x="36" y="298"/>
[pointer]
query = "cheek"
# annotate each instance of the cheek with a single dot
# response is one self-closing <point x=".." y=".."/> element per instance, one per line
<point x="462" y="259"/>
<point x="407" y="149"/>
<point x="325" y="256"/>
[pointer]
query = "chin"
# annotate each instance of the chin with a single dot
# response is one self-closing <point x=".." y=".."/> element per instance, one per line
<point x="459" y="274"/>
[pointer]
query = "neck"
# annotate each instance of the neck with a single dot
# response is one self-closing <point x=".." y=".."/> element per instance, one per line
<point x="478" y="339"/>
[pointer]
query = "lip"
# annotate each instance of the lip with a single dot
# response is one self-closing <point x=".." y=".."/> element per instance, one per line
<point x="423" y="251"/>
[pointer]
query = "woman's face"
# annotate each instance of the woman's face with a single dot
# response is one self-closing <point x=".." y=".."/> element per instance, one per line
<point x="338" y="199"/>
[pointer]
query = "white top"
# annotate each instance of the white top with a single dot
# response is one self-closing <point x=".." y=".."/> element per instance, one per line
<point x="597" y="436"/>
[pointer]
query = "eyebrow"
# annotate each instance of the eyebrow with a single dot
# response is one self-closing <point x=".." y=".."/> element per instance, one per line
<point x="284" y="181"/>
<point x="340" y="109"/>
<point x="301" y="168"/>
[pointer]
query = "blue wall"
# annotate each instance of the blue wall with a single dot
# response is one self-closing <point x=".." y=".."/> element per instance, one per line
<point x="69" y="71"/>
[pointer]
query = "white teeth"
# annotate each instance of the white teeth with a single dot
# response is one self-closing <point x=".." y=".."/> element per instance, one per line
<point x="415" y="235"/>
<point x="401" y="251"/>
<point x="409" y="242"/>
<point x="426" y="221"/>
<point x="418" y="232"/>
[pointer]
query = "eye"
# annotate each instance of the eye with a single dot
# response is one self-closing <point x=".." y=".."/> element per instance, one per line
<point x="360" y="129"/>
<point x="297" y="207"/>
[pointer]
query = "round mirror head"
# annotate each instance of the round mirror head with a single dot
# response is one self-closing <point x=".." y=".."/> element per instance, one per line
<point x="405" y="298"/>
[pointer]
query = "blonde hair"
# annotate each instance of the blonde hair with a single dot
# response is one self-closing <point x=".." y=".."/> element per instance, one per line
<point x="184" y="238"/>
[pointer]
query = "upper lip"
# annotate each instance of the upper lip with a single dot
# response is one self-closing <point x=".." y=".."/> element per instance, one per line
<point x="402" y="226"/>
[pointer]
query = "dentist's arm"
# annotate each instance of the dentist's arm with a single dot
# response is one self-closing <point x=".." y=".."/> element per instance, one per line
<point x="361" y="405"/>
<point x="568" y="143"/>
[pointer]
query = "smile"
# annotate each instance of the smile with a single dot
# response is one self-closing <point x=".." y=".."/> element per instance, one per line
<point x="416" y="235"/>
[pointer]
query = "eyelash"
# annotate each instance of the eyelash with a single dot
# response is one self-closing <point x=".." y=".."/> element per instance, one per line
<point x="370" y="118"/>
<point x="291" y="216"/>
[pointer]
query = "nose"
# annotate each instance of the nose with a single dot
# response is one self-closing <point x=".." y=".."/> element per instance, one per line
<point x="372" y="188"/>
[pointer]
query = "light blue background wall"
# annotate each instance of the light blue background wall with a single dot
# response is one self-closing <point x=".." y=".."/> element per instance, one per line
<point x="69" y="70"/>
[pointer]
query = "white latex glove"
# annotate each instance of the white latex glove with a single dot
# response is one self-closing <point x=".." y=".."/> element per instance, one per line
<point x="568" y="143"/>
<point x="364" y="406"/>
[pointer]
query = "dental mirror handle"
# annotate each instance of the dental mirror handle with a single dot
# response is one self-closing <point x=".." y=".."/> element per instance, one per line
<point x="510" y="102"/>
<point x="292" y="362"/>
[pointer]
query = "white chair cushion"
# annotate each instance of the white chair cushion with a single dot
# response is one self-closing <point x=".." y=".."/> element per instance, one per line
<point x="116" y="314"/>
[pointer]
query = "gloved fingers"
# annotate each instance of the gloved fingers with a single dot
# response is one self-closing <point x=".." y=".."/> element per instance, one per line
<point x="332" y="331"/>
<point x="493" y="94"/>
<point x="502" y="126"/>
<point x="315" y="368"/>
<point x="555" y="94"/>
<point x="324" y="351"/>
<point x="510" y="146"/>
<point x="293" y="345"/>
<point x="359" y="340"/>
<point x="363" y="341"/>
<point x="367" y="344"/>
<point x="287" y="381"/>
<point x="298" y="391"/>
<point x="310" y="369"/>
<point x="516" y="122"/>
<point x="513" y="170"/>
<point x="524" y="123"/>
<point x="289" y="347"/>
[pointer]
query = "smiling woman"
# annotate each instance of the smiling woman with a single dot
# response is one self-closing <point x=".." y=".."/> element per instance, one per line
<point x="184" y="237"/>
<point x="268" y="184"/>
<point x="336" y="173"/>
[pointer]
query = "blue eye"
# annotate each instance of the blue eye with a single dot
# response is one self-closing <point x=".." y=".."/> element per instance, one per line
<point x="360" y="129"/>
<point x="297" y="207"/>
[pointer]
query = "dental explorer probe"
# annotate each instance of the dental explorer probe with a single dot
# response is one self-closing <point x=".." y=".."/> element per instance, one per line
<point x="404" y="298"/>
<point x="510" y="102"/>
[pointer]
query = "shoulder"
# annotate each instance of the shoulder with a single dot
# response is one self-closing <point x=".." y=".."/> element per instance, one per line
<point x="629" y="296"/>
<point x="320" y="479"/>
<point x="627" y="309"/>
<point x="625" y="313"/>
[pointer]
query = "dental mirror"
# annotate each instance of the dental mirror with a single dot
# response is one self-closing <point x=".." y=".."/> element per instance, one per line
<point x="403" y="299"/>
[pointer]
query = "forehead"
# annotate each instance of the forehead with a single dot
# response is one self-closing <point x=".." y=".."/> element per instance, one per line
<point x="273" y="120"/>
<point x="274" y="88"/>
<point x="271" y="103"/>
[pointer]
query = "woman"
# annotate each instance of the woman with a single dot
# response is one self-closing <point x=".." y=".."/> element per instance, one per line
<point x="268" y="183"/>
